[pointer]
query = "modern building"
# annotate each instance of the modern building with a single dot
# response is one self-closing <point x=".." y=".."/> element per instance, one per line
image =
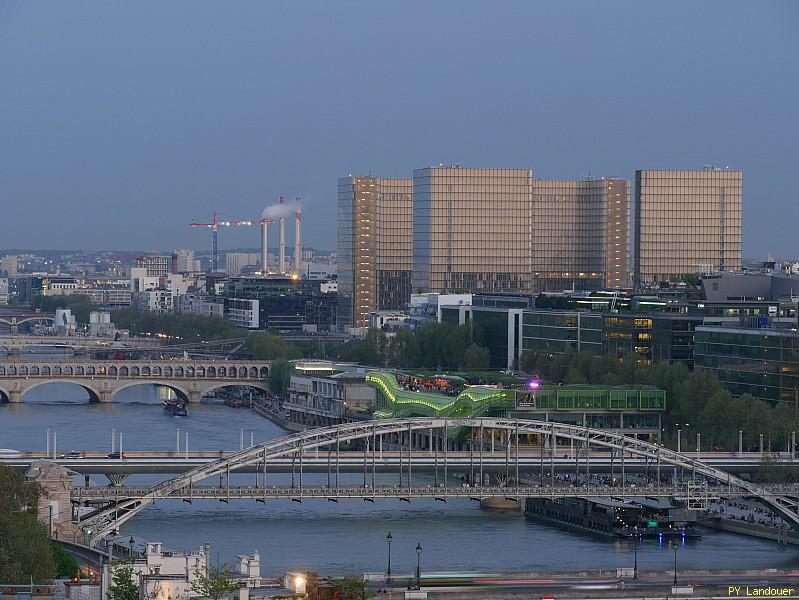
<point x="236" y="261"/>
<point x="185" y="262"/>
<point x="508" y="332"/>
<point x="580" y="234"/>
<point x="322" y="393"/>
<point x="155" y="266"/>
<point x="284" y="303"/>
<point x="686" y="222"/>
<point x="9" y="265"/>
<point x="763" y="362"/>
<point x="471" y="230"/>
<point x="374" y="247"/>
<point x="3" y="290"/>
<point x="634" y="410"/>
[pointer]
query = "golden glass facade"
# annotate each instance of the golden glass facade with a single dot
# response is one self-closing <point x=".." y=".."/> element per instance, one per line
<point x="686" y="222"/>
<point x="374" y="247"/>
<point x="471" y="230"/>
<point x="580" y="234"/>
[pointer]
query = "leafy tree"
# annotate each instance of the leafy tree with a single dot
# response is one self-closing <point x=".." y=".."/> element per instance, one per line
<point x="403" y="350"/>
<point x="266" y="346"/>
<point x="188" y="327"/>
<point x="352" y="588"/>
<point x="214" y="583"/>
<point x="65" y="564"/>
<point x="476" y="357"/>
<point x="280" y="376"/>
<point x="25" y="550"/>
<point x="123" y="583"/>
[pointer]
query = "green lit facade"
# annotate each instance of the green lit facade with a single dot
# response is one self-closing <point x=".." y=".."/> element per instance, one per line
<point x="634" y="411"/>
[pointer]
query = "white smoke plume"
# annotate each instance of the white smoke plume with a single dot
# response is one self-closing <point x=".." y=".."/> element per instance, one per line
<point x="277" y="210"/>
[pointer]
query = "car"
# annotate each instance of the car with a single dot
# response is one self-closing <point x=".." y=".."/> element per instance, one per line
<point x="72" y="454"/>
<point x="116" y="454"/>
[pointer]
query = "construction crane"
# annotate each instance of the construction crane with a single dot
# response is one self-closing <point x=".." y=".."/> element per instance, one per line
<point x="214" y="226"/>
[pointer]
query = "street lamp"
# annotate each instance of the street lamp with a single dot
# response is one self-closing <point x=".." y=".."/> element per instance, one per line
<point x="675" y="563"/>
<point x="418" y="566"/>
<point x="388" y="570"/>
<point x="131" y="543"/>
<point x="635" y="553"/>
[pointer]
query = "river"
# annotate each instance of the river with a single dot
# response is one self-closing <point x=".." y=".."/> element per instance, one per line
<point x="348" y="537"/>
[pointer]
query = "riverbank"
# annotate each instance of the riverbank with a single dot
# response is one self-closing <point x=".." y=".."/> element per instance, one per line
<point x="782" y="535"/>
<point x="276" y="418"/>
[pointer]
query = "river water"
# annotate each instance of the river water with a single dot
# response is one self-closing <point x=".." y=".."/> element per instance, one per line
<point x="337" y="538"/>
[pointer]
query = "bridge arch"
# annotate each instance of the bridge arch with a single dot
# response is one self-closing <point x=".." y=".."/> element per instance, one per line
<point x="295" y="445"/>
<point x="258" y="385"/>
<point x="181" y="393"/>
<point x="94" y="393"/>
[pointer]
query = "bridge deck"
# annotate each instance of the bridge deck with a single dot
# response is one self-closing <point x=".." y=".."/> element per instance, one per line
<point x="681" y="492"/>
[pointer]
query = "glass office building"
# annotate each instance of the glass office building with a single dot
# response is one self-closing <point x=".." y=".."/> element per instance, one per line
<point x="471" y="230"/>
<point x="761" y="362"/>
<point x="580" y="234"/>
<point x="374" y="247"/>
<point x="686" y="222"/>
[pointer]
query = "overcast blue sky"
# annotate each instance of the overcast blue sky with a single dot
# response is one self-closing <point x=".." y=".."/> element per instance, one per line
<point x="122" y="122"/>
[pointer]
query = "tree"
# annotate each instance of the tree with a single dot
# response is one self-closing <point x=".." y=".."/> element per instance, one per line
<point x="280" y="376"/>
<point x="352" y="588"/>
<point x="65" y="564"/>
<point x="123" y="583"/>
<point x="213" y="583"/>
<point x="476" y="357"/>
<point x="25" y="551"/>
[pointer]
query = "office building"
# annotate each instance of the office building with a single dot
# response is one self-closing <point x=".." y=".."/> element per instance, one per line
<point x="686" y="222"/>
<point x="471" y="230"/>
<point x="580" y="234"/>
<point x="155" y="266"/>
<point x="374" y="247"/>
<point x="185" y="262"/>
<point x="236" y="261"/>
<point x="283" y="303"/>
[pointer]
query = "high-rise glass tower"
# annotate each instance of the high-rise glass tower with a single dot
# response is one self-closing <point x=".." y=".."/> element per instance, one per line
<point x="686" y="222"/>
<point x="580" y="234"/>
<point x="471" y="230"/>
<point x="374" y="247"/>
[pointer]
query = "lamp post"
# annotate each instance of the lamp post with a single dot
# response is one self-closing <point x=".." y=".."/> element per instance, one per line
<point x="418" y="566"/>
<point x="675" y="564"/>
<point x="388" y="569"/>
<point x="131" y="543"/>
<point x="635" y="553"/>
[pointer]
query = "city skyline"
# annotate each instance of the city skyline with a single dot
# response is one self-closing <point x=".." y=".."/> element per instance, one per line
<point x="137" y="128"/>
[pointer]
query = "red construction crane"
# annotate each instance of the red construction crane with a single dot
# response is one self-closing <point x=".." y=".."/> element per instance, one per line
<point x="214" y="225"/>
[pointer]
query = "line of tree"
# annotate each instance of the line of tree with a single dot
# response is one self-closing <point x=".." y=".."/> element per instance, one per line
<point x="436" y="346"/>
<point x="696" y="401"/>
<point x="26" y="552"/>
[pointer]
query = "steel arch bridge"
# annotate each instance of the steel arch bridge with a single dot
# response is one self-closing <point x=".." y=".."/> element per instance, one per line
<point x="105" y="520"/>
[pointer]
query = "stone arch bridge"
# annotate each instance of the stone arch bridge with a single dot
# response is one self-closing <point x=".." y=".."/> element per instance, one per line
<point x="189" y="379"/>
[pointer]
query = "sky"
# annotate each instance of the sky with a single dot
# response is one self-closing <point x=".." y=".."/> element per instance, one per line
<point x="123" y="122"/>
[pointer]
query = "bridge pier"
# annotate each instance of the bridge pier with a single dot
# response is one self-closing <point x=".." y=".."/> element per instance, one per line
<point x="195" y="396"/>
<point x="103" y="397"/>
<point x="55" y="505"/>
<point x="15" y="396"/>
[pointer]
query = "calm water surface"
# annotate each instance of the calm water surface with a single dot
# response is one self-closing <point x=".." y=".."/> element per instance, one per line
<point x="329" y="537"/>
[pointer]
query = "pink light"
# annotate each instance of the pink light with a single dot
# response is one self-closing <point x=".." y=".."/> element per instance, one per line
<point x="533" y="385"/>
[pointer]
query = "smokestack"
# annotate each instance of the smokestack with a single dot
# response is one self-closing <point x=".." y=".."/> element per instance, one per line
<point x="264" y="248"/>
<point x="298" y="237"/>
<point x="282" y="249"/>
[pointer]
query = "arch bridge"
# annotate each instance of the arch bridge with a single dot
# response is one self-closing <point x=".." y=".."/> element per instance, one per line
<point x="435" y="434"/>
<point x="189" y="379"/>
<point x="14" y="321"/>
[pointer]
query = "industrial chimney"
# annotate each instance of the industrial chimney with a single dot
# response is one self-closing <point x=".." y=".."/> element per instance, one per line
<point x="282" y="249"/>
<point x="298" y="237"/>
<point x="264" y="247"/>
